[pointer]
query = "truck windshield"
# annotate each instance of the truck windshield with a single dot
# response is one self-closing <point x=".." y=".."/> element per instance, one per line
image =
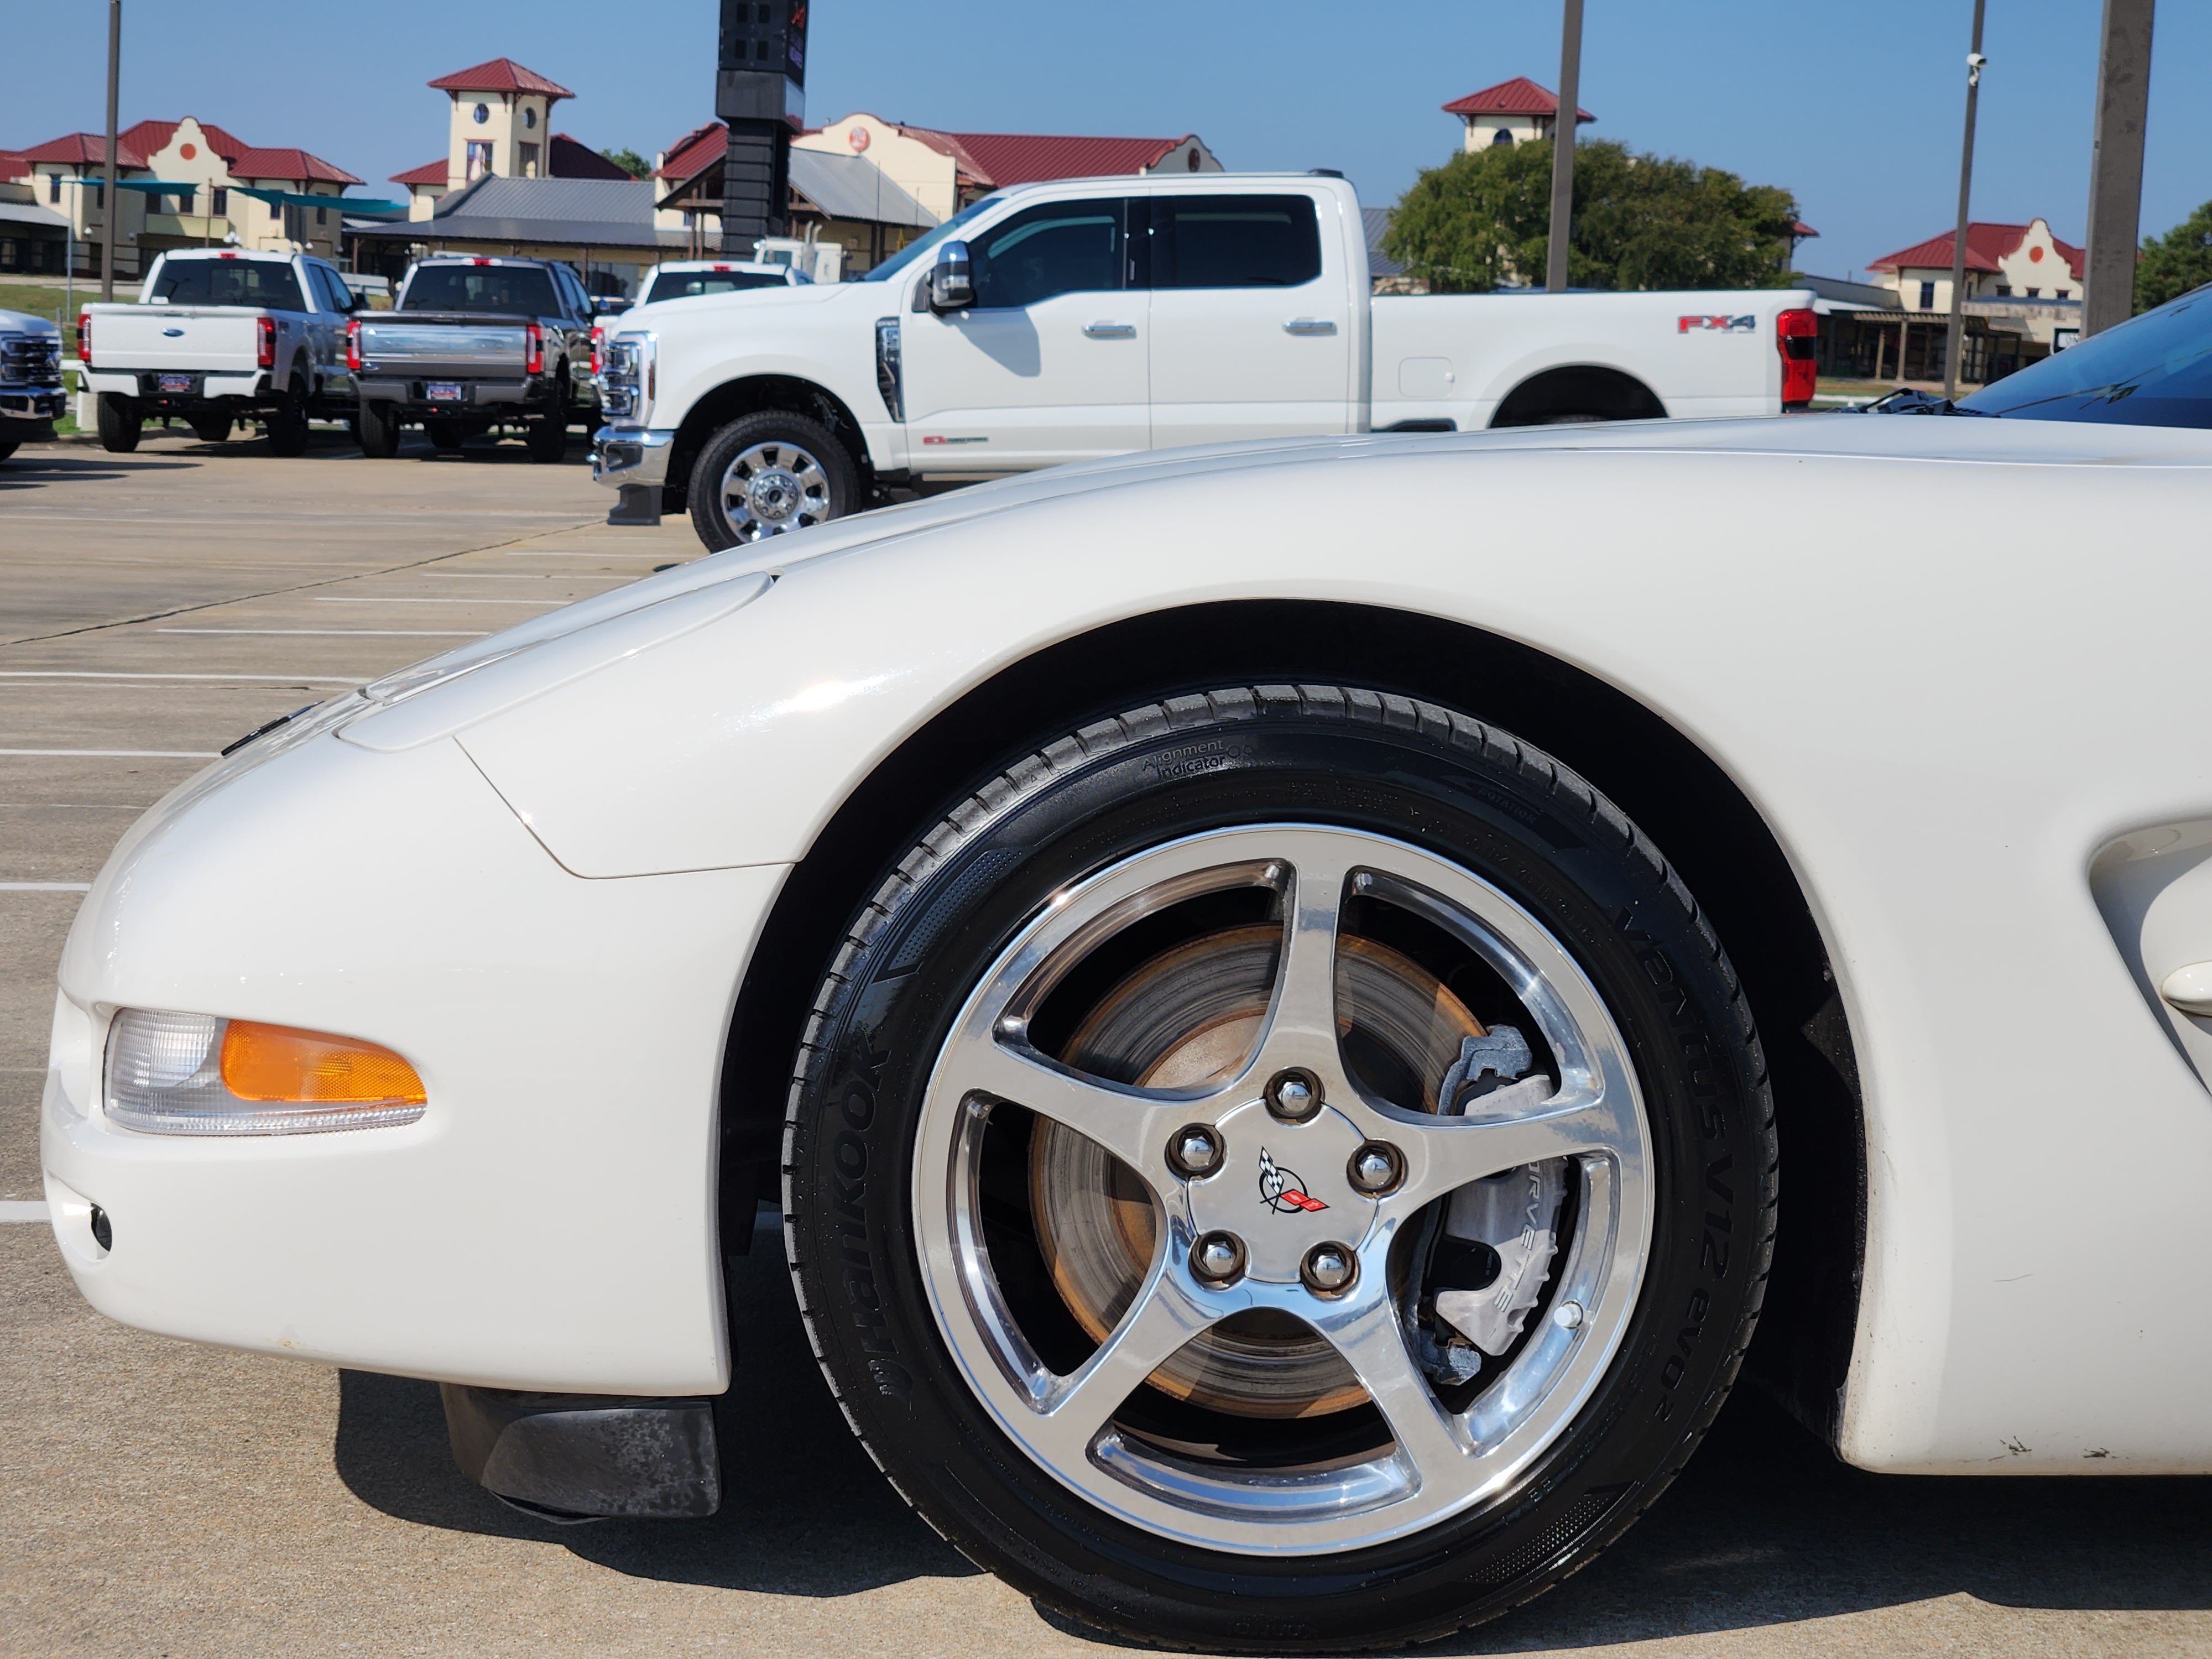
<point x="518" y="290"/>
<point x="228" y="283"/>
<point x="2152" y="370"/>
<point x="687" y="284"/>
<point x="913" y="251"/>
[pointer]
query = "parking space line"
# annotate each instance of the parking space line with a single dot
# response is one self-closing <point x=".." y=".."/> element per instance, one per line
<point x="45" y="887"/>
<point x="20" y="1210"/>
<point x="565" y="553"/>
<point x="121" y="754"/>
<point x="95" y="674"/>
<point x="343" y="633"/>
<point x="396" y="598"/>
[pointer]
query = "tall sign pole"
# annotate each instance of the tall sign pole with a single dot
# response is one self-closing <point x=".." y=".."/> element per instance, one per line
<point x="760" y="94"/>
<point x="2115" y="163"/>
<point x="111" y="215"/>
<point x="1562" y="148"/>
<point x="1956" y="342"/>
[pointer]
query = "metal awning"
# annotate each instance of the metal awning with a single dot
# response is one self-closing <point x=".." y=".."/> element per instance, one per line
<point x="359" y="207"/>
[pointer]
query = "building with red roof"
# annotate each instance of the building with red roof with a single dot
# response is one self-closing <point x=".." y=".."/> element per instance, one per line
<point x="500" y="124"/>
<point x="1515" y="111"/>
<point x="2002" y="262"/>
<point x="207" y="165"/>
<point x="945" y="170"/>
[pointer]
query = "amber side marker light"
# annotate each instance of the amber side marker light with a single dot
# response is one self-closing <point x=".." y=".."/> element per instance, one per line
<point x="195" y="1074"/>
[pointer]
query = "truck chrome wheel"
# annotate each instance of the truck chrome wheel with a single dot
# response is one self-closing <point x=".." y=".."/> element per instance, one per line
<point x="774" y="486"/>
<point x="1314" y="1325"/>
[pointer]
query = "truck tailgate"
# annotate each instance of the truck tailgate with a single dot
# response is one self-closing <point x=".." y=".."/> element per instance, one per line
<point x="212" y="339"/>
<point x="431" y="343"/>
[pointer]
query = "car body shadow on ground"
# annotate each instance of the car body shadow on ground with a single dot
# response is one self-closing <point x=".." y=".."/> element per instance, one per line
<point x="1765" y="1529"/>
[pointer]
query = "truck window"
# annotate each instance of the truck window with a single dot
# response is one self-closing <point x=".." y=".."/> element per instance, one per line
<point x="228" y="282"/>
<point x="522" y="290"/>
<point x="1064" y="247"/>
<point x="1234" y="241"/>
<point x="689" y="285"/>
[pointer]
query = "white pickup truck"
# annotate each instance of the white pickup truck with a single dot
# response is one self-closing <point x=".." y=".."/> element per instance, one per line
<point x="221" y="335"/>
<point x="1088" y="318"/>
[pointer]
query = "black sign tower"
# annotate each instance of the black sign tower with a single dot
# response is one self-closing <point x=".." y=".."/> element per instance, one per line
<point x="760" y="91"/>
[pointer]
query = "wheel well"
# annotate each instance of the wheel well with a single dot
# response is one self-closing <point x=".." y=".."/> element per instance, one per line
<point x="733" y="399"/>
<point x="1689" y="807"/>
<point x="1583" y="391"/>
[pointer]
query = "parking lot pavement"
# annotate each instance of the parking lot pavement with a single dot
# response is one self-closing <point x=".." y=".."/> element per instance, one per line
<point x="157" y="1498"/>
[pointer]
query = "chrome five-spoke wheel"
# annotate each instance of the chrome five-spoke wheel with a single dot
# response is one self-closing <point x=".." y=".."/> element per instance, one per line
<point x="1272" y="1277"/>
<point x="1284" y="1169"/>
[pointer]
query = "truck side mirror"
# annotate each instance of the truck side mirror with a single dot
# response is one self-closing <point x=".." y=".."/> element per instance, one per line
<point x="952" y="285"/>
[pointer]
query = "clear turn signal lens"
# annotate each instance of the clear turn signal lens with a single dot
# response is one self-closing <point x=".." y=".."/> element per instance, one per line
<point x="193" y="1074"/>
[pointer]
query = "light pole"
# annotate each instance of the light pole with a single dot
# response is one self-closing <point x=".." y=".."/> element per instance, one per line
<point x="112" y="203"/>
<point x="1562" y="148"/>
<point x="1956" y="341"/>
<point x="2116" y="162"/>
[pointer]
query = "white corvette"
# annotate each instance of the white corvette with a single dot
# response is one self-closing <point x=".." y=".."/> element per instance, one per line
<point x="1274" y="986"/>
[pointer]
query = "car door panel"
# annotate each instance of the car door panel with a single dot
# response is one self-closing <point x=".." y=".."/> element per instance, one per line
<point x="1049" y="365"/>
<point x="1251" y="319"/>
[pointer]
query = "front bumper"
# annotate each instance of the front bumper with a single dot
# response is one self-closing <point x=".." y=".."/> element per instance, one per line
<point x="550" y="1223"/>
<point x="39" y="404"/>
<point x="626" y="455"/>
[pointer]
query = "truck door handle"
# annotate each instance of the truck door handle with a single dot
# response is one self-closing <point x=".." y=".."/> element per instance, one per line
<point x="1308" y="325"/>
<point x="1109" y="330"/>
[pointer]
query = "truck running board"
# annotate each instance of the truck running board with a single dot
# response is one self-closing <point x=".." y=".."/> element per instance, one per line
<point x="572" y="1457"/>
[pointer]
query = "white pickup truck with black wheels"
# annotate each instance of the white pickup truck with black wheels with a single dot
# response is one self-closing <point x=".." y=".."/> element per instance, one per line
<point x="1090" y="317"/>
<point x="219" y="336"/>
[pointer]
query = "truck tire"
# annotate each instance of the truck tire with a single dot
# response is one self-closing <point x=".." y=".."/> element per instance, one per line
<point x="286" y="423"/>
<point x="210" y="428"/>
<point x="378" y="426"/>
<point x="6" y="447"/>
<point x="119" y="421"/>
<point x="767" y="473"/>
<point x="445" y="436"/>
<point x="977" y="1159"/>
<point x="548" y="439"/>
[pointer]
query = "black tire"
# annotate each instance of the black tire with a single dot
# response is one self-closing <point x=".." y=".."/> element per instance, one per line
<point x="120" y="422"/>
<point x="445" y="436"/>
<point x="377" y="425"/>
<point x="1247" y="756"/>
<point x="547" y="440"/>
<point x="286" y="423"/>
<point x="8" y="446"/>
<point x="713" y="525"/>
<point x="210" y="428"/>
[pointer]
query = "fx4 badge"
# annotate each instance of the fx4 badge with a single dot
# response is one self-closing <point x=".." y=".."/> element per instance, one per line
<point x="1716" y="325"/>
<point x="1283" y="1192"/>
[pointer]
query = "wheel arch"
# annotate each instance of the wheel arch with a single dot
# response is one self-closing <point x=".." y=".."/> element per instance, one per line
<point x="749" y="394"/>
<point x="1677" y="792"/>
<point x="1565" y="391"/>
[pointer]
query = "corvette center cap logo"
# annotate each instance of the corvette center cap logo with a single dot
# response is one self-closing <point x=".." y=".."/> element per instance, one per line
<point x="1283" y="1192"/>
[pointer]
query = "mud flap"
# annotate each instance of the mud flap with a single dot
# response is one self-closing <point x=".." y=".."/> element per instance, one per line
<point x="569" y="1457"/>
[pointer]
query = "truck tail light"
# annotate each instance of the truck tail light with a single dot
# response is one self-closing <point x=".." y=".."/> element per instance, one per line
<point x="599" y="340"/>
<point x="264" y="352"/>
<point x="353" y="344"/>
<point x="1795" y="336"/>
<point x="84" y="337"/>
<point x="533" y="350"/>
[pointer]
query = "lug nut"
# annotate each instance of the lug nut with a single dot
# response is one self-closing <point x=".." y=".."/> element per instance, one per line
<point x="1219" y="1259"/>
<point x="1567" y="1315"/>
<point x="1195" y="1151"/>
<point x="1375" y="1169"/>
<point x="1293" y="1097"/>
<point x="1329" y="1269"/>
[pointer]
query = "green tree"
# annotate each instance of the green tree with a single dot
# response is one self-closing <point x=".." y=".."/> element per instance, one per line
<point x="629" y="162"/>
<point x="1483" y="219"/>
<point x="2172" y="264"/>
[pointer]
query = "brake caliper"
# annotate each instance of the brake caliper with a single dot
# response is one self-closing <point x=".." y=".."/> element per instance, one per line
<point x="1488" y="1260"/>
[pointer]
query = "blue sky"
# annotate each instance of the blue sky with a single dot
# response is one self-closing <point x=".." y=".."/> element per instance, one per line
<point x="1856" y="108"/>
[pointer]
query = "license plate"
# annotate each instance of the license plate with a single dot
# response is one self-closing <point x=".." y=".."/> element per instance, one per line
<point x="173" y="382"/>
<point x="444" y="392"/>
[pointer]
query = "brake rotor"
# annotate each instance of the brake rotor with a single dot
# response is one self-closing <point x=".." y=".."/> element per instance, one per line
<point x="1188" y="1018"/>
